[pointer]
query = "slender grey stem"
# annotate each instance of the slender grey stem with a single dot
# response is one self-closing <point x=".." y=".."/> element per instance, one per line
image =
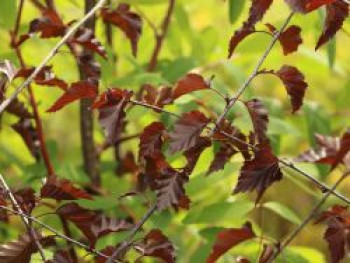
<point x="51" y="54"/>
<point x="245" y="85"/>
<point x="25" y="220"/>
<point x="322" y="186"/>
<point x="307" y="219"/>
<point x="127" y="241"/>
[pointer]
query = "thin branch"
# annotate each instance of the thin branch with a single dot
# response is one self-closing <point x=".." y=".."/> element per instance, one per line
<point x="25" y="220"/>
<point x="143" y="104"/>
<point x="245" y="85"/>
<point x="51" y="54"/>
<point x="128" y="240"/>
<point x="58" y="234"/>
<point x="322" y="186"/>
<point x="160" y="37"/>
<point x="308" y="218"/>
<point x="105" y="145"/>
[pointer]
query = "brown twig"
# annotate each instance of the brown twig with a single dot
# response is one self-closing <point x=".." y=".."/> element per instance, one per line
<point x="25" y="220"/>
<point x="51" y="54"/>
<point x="90" y="157"/>
<point x="160" y="37"/>
<point x="307" y="219"/>
<point x="37" y="118"/>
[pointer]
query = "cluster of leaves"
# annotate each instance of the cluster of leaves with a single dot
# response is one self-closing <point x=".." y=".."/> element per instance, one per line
<point x="192" y="133"/>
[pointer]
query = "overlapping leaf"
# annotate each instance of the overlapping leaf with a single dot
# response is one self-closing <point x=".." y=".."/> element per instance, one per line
<point x="44" y="77"/>
<point x="187" y="131"/>
<point x="62" y="189"/>
<point x="305" y="6"/>
<point x="259" y="173"/>
<point x="22" y="249"/>
<point x="129" y="22"/>
<point x="256" y="13"/>
<point x="86" y="38"/>
<point x="229" y="238"/>
<point x="189" y="83"/>
<point x="151" y="139"/>
<point x="92" y="224"/>
<point x="29" y="135"/>
<point x="170" y="189"/>
<point x="290" y="38"/>
<point x="338" y="231"/>
<point x="336" y="13"/>
<point x="78" y="90"/>
<point x="260" y="118"/>
<point x="155" y="244"/>
<point x="158" y="97"/>
<point x="329" y="150"/>
<point x="295" y="85"/>
<point x="111" y="105"/>
<point x="222" y="156"/>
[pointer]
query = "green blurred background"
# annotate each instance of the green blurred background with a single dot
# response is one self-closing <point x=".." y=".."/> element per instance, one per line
<point x="197" y="40"/>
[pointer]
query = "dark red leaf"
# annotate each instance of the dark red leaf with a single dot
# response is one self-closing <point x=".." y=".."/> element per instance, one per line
<point x="29" y="135"/>
<point x="222" y="156"/>
<point x="239" y="141"/>
<point x="259" y="173"/>
<point x="49" y="25"/>
<point x="305" y="6"/>
<point x="18" y="109"/>
<point x="44" y="77"/>
<point x="170" y="189"/>
<point x="187" y="131"/>
<point x="189" y="83"/>
<point x="193" y="154"/>
<point x="22" y="249"/>
<point x="336" y="13"/>
<point x="111" y="105"/>
<point x="290" y="39"/>
<point x="260" y="118"/>
<point x="86" y="38"/>
<point x="238" y="37"/>
<point x="338" y="231"/>
<point x="130" y="23"/>
<point x="78" y="90"/>
<point x="92" y="224"/>
<point x="295" y="84"/>
<point x="314" y="4"/>
<point x="327" y="148"/>
<point x="62" y="189"/>
<point x="108" y="251"/>
<point x="228" y="239"/>
<point x="156" y="244"/>
<point x="343" y="150"/>
<point x="151" y="139"/>
<point x="157" y="96"/>
<point x="257" y="11"/>
<point x="26" y="199"/>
